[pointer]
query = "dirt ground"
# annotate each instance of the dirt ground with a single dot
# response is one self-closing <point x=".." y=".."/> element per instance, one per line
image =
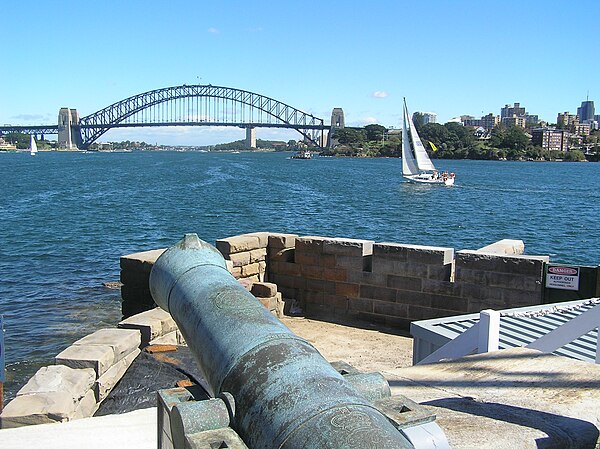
<point x="366" y="347"/>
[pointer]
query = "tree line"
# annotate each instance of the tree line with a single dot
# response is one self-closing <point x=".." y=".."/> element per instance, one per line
<point x="451" y="141"/>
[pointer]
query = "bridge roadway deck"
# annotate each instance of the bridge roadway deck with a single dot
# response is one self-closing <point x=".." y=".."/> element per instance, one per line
<point x="512" y="398"/>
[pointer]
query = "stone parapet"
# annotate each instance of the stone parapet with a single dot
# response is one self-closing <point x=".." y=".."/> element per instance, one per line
<point x="387" y="282"/>
<point x="87" y="371"/>
<point x="135" y="276"/>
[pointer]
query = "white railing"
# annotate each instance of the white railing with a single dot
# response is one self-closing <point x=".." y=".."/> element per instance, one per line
<point x="569" y="331"/>
<point x="484" y="335"/>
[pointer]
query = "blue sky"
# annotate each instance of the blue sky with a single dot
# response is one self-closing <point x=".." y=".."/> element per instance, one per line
<point x="449" y="57"/>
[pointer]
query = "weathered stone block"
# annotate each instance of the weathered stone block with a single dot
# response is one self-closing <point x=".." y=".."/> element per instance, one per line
<point x="525" y="265"/>
<point x="335" y="274"/>
<point x="360" y="305"/>
<point x="379" y="293"/>
<point x="122" y="341"/>
<point x="263" y="238"/>
<point x="280" y="241"/>
<point x="365" y="277"/>
<point x="347" y="290"/>
<point x="413" y="298"/>
<point x="287" y="268"/>
<point x="62" y="378"/>
<point x="504" y="247"/>
<point x="250" y="270"/>
<point x="167" y="339"/>
<point x="136" y="294"/>
<point x="311" y="272"/>
<point x="479" y="292"/>
<point x="440" y="272"/>
<point x="283" y="280"/>
<point x="258" y="255"/>
<point x="320" y="285"/>
<point x="384" y="266"/>
<point x="404" y="283"/>
<point x="440" y="287"/>
<point x="307" y="258"/>
<point x="151" y="324"/>
<point x="390" y="251"/>
<point x="238" y="244"/>
<point x="86" y="407"/>
<point x="390" y="308"/>
<point x="264" y="289"/>
<point x="348" y="247"/>
<point x="98" y="357"/>
<point x="449" y="303"/>
<point x="433" y="255"/>
<point x="141" y="262"/>
<point x="426" y="313"/>
<point x="282" y="255"/>
<point x="309" y="244"/>
<point x="356" y="263"/>
<point x="40" y="408"/>
<point x="240" y="259"/>
<point x="337" y="302"/>
<point x="311" y="297"/>
<point x="135" y="278"/>
<point x="269" y="303"/>
<point x="105" y="383"/>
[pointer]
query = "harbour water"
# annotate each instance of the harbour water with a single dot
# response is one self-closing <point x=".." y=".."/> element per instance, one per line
<point x="65" y="219"/>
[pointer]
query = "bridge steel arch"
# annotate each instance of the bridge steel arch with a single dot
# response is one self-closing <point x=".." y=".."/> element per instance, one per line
<point x="200" y="105"/>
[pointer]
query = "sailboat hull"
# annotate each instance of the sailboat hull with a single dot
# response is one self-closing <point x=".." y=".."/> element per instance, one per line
<point x="426" y="178"/>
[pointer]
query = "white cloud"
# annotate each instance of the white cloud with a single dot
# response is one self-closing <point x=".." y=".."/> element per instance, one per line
<point x="213" y="30"/>
<point x="380" y="94"/>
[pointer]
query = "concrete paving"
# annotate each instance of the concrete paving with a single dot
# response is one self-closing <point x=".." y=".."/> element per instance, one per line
<point x="512" y="398"/>
<point x="135" y="429"/>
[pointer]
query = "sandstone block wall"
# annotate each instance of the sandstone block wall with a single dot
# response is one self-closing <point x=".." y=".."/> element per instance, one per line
<point x="388" y="283"/>
<point x="248" y="254"/>
<point x="135" y="276"/>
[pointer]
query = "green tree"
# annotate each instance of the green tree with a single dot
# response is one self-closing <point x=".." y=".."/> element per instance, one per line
<point x="574" y="156"/>
<point x="375" y="132"/>
<point x="350" y="136"/>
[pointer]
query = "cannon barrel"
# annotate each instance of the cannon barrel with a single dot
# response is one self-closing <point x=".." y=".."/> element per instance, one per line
<point x="286" y="394"/>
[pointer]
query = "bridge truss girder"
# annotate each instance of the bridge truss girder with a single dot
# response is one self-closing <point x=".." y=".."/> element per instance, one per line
<point x="200" y="105"/>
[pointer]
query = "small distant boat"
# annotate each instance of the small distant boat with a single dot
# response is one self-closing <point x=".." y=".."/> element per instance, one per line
<point x="33" y="146"/>
<point x="416" y="165"/>
<point x="304" y="154"/>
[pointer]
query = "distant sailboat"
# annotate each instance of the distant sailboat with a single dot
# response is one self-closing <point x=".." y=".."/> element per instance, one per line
<point x="416" y="165"/>
<point x="33" y="146"/>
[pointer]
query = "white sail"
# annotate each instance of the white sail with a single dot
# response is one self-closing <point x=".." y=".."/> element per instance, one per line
<point x="409" y="165"/>
<point x="33" y="146"/>
<point x="423" y="161"/>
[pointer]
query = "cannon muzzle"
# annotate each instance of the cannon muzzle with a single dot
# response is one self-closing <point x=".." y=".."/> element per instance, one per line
<point x="286" y="394"/>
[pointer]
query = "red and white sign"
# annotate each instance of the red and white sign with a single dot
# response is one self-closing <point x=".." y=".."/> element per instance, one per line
<point x="563" y="278"/>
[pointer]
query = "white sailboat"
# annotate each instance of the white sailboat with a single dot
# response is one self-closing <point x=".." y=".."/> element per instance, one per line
<point x="33" y="146"/>
<point x="416" y="165"/>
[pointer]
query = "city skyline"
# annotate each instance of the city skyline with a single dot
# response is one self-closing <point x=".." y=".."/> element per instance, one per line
<point x="453" y="59"/>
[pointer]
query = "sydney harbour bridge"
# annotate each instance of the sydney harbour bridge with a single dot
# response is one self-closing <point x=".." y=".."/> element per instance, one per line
<point x="186" y="105"/>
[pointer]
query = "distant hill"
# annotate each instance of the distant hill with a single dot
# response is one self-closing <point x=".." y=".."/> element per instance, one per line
<point x="263" y="144"/>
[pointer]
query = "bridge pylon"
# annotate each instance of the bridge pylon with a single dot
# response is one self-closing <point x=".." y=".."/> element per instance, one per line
<point x="250" y="137"/>
<point x="69" y="132"/>
<point x="337" y="122"/>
